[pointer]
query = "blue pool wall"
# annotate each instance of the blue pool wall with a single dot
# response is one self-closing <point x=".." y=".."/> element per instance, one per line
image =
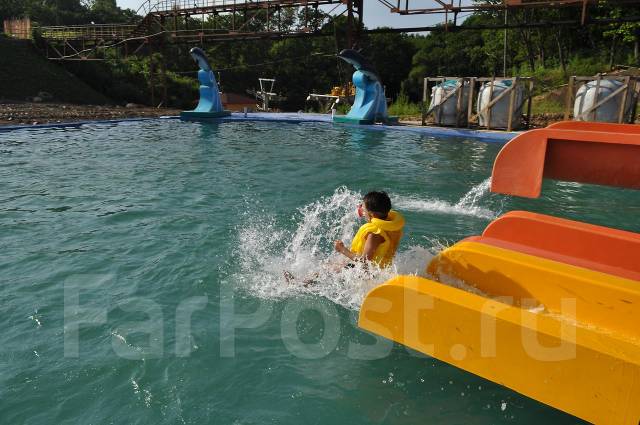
<point x="482" y="135"/>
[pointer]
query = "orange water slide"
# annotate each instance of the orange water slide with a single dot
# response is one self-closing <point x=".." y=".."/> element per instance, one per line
<point x="597" y="157"/>
<point x="599" y="248"/>
<point x="596" y="126"/>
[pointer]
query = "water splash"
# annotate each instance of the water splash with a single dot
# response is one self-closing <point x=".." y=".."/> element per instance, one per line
<point x="278" y="263"/>
<point x="467" y="205"/>
<point x="36" y="318"/>
<point x="147" y="396"/>
<point x="266" y="251"/>
<point x="473" y="196"/>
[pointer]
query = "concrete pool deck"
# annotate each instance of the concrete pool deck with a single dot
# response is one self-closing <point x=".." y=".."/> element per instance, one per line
<point x="293" y="117"/>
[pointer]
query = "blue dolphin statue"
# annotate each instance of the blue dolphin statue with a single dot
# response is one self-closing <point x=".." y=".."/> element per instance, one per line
<point x="210" y="104"/>
<point x="359" y="62"/>
<point x="370" y="104"/>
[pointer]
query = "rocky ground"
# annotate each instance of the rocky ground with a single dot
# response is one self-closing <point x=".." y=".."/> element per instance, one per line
<point x="45" y="113"/>
<point x="543" y="120"/>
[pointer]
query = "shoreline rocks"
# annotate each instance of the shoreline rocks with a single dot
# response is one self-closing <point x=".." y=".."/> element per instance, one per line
<point x="27" y="113"/>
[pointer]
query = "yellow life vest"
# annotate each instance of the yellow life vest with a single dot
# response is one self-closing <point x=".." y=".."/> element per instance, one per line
<point x="390" y="230"/>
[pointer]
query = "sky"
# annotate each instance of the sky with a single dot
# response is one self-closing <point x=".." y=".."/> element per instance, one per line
<point x="375" y="14"/>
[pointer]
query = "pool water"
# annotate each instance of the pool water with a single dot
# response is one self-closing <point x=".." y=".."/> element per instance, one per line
<point x="142" y="273"/>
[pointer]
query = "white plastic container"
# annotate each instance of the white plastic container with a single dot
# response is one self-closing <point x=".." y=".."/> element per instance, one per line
<point x="500" y="110"/>
<point x="445" y="110"/>
<point x="608" y="111"/>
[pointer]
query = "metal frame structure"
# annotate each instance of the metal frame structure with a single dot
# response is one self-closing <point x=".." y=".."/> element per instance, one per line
<point x="454" y="7"/>
<point x="266" y="95"/>
<point x="403" y="7"/>
<point x="168" y="21"/>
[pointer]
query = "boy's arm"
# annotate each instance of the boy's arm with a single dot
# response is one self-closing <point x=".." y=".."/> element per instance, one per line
<point x="370" y="246"/>
<point x="339" y="247"/>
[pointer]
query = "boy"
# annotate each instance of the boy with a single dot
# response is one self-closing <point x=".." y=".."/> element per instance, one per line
<point x="378" y="239"/>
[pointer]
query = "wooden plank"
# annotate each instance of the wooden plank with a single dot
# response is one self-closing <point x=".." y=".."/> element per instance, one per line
<point x="512" y="99"/>
<point x="529" y="101"/>
<point x="635" y="102"/>
<point x="595" y="113"/>
<point x="490" y="105"/>
<point x="623" y="104"/>
<point x="425" y="82"/>
<point x="568" y="98"/>
<point x="460" y="91"/>
<point x="472" y="89"/>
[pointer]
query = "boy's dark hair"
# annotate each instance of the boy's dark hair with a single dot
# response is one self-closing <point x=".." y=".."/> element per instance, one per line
<point x="377" y="202"/>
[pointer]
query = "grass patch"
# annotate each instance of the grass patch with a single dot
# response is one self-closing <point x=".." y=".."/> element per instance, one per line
<point x="550" y="78"/>
<point x="402" y="107"/>
<point x="547" y="106"/>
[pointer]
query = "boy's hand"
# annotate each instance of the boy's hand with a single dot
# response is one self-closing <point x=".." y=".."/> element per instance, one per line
<point x="339" y="246"/>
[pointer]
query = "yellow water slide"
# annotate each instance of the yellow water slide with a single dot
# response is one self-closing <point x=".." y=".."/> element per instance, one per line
<point x="539" y="304"/>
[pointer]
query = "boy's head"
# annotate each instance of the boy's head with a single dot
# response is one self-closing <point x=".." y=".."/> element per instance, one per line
<point x="377" y="204"/>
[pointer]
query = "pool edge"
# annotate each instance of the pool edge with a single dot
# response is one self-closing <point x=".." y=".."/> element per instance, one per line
<point x="294" y="118"/>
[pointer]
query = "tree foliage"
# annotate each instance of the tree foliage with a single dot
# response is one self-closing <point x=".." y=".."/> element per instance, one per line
<point x="65" y="12"/>
<point x="305" y="65"/>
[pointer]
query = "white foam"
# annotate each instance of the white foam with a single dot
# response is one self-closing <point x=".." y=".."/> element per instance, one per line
<point x="467" y="205"/>
<point x="136" y="387"/>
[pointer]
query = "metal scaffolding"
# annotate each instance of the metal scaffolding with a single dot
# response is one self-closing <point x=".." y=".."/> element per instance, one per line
<point x="198" y="21"/>
<point x="162" y="22"/>
<point x="452" y="8"/>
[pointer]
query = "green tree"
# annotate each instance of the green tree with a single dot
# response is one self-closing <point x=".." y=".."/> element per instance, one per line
<point x="108" y="12"/>
<point x="392" y="55"/>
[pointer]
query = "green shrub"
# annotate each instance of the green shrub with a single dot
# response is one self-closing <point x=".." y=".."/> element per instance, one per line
<point x="402" y="107"/>
<point x="342" y="108"/>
